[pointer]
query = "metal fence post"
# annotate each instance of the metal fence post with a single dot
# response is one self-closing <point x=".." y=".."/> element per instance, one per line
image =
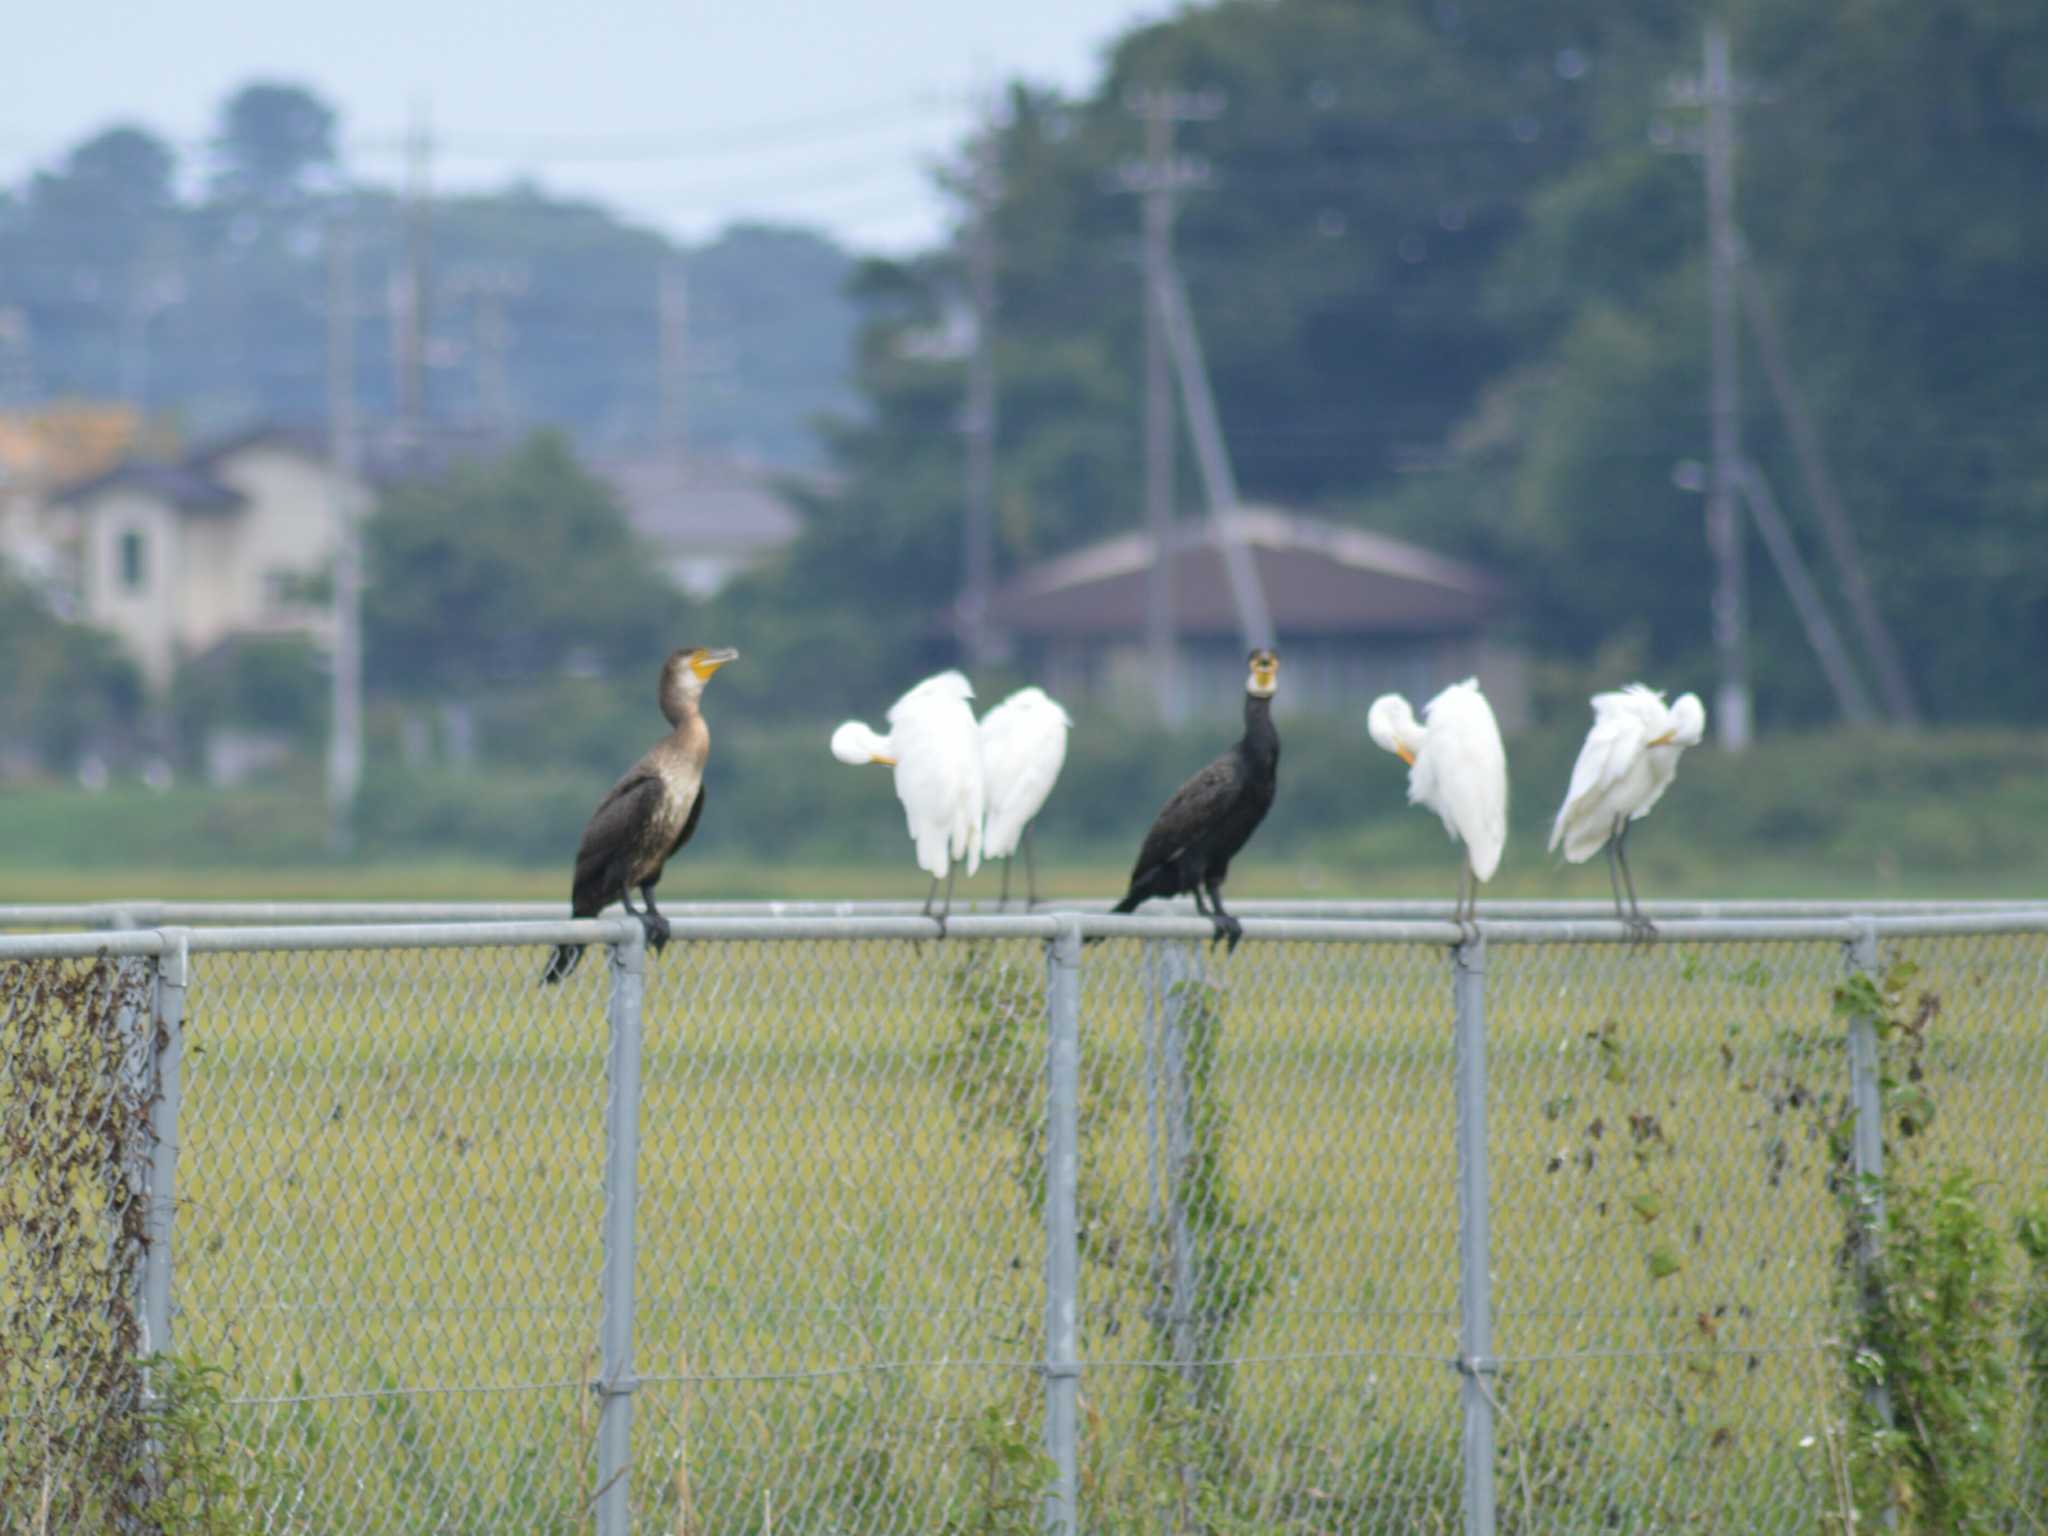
<point x="1475" y="1335"/>
<point x="1866" y="1147"/>
<point x="1062" y="1223"/>
<point x="167" y="1049"/>
<point x="1176" y="1153"/>
<point x="621" y="1192"/>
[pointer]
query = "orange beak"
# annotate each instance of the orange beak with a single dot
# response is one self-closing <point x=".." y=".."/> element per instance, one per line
<point x="1405" y="755"/>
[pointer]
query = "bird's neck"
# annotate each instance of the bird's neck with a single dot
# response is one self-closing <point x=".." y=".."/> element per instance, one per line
<point x="1261" y="741"/>
<point x="679" y="706"/>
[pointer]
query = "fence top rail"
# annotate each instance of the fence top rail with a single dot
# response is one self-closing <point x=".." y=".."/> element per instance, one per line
<point x="1043" y="925"/>
<point x="150" y="912"/>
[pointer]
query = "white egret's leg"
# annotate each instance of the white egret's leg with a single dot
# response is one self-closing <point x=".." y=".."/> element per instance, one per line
<point x="1645" y="930"/>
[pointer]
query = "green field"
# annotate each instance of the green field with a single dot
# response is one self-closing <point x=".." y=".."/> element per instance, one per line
<point x="1662" y="872"/>
<point x="390" y="1210"/>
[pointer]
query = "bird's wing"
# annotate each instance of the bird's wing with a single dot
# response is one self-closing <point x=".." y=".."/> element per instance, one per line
<point x="1462" y="774"/>
<point x="1191" y="811"/>
<point x="608" y="839"/>
<point x="1023" y="746"/>
<point x="1614" y="746"/>
<point x="938" y="779"/>
<point x="689" y="822"/>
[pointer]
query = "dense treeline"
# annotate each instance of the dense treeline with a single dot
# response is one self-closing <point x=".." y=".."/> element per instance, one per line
<point x="1451" y="276"/>
<point x="211" y="306"/>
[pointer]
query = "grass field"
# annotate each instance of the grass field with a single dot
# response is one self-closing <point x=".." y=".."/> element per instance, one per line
<point x="1671" y="872"/>
<point x="390" y="1212"/>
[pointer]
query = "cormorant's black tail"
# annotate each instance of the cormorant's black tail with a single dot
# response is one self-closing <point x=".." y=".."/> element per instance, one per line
<point x="562" y="962"/>
<point x="1133" y="899"/>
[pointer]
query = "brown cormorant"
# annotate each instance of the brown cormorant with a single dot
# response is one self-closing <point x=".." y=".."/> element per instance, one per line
<point x="650" y="813"/>
<point x="1211" y="817"/>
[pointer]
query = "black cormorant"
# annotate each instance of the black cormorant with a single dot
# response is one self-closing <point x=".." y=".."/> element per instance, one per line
<point x="650" y="813"/>
<point x="1211" y="816"/>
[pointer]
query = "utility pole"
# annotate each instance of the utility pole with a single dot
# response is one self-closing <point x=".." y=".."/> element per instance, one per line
<point x="493" y="356"/>
<point x="1157" y="178"/>
<point x="409" y="312"/>
<point x="1212" y="457"/>
<point x="672" y="311"/>
<point x="1903" y="708"/>
<point x="487" y="287"/>
<point x="1850" y="695"/>
<point x="978" y="422"/>
<point x="345" y="738"/>
<point x="1724" y="522"/>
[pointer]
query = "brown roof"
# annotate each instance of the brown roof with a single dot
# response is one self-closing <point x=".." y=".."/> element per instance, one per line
<point x="1319" y="578"/>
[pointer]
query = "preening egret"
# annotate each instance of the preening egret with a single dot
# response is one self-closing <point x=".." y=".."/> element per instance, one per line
<point x="1457" y="768"/>
<point x="1023" y="745"/>
<point x="1629" y="760"/>
<point x="935" y="749"/>
<point x="1212" y="816"/>
<point x="650" y="813"/>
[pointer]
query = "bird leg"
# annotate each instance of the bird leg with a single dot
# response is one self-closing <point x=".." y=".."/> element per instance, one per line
<point x="1201" y="906"/>
<point x="1639" y="925"/>
<point x="654" y="924"/>
<point x="1613" y="876"/>
<point x="940" y="916"/>
<point x="1003" y="901"/>
<point x="1030" y="873"/>
<point x="1466" y="914"/>
<point x="1227" y="927"/>
<point x="931" y="896"/>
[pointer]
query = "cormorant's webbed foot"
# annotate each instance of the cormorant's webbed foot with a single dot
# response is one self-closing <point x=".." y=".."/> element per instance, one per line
<point x="655" y="926"/>
<point x="1228" y="929"/>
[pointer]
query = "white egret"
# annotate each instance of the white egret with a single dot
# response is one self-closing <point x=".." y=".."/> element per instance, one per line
<point x="1457" y="768"/>
<point x="1023" y="746"/>
<point x="935" y="749"/>
<point x="1629" y="760"/>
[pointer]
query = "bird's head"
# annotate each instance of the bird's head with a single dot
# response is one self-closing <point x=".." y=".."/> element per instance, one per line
<point x="1688" y="722"/>
<point x="856" y="744"/>
<point x="1264" y="676"/>
<point x="685" y="673"/>
<point x="1393" y="727"/>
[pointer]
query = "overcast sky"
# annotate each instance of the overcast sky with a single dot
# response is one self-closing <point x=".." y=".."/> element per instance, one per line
<point x="685" y="114"/>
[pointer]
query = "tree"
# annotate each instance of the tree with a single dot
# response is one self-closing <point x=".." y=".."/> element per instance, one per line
<point x="509" y="571"/>
<point x="121" y="176"/>
<point x="271" y="137"/>
<point x="66" y="688"/>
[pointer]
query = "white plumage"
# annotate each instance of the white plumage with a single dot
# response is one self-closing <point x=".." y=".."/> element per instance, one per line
<point x="1023" y="746"/>
<point x="1629" y="760"/>
<point x="1457" y="766"/>
<point x="935" y="749"/>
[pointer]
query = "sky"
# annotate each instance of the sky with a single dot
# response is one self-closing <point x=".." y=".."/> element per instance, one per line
<point x="681" y="114"/>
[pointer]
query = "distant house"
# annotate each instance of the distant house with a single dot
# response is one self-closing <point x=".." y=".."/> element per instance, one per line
<point x="233" y="539"/>
<point x="42" y="450"/>
<point x="1355" y="614"/>
<point x="709" y="518"/>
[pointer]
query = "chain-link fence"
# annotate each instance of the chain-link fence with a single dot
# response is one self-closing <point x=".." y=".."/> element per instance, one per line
<point x="812" y="1223"/>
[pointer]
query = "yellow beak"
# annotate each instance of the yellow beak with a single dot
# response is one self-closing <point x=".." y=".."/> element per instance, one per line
<point x="886" y="762"/>
<point x="1666" y="739"/>
<point x="704" y="663"/>
<point x="1405" y="755"/>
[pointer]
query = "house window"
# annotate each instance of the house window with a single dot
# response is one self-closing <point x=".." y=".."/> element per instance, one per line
<point x="134" y="564"/>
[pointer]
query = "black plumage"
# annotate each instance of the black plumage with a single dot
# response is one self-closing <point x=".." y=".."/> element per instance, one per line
<point x="649" y="814"/>
<point x="1214" y="814"/>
